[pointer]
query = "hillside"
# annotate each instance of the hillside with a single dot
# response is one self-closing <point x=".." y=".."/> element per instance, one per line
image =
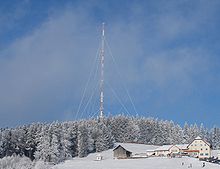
<point x="58" y="141"/>
<point x="149" y="163"/>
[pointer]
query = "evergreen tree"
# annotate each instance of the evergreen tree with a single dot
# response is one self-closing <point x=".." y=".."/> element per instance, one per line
<point x="104" y="140"/>
<point x="194" y="132"/>
<point x="43" y="150"/>
<point x="186" y="133"/>
<point x="8" y="144"/>
<point x="82" y="140"/>
<point x="132" y="132"/>
<point x="215" y="137"/>
<point x="68" y="140"/>
<point x="20" y="138"/>
<point x="31" y="140"/>
<point x="159" y="134"/>
<point x="1" y="144"/>
<point x="56" y="150"/>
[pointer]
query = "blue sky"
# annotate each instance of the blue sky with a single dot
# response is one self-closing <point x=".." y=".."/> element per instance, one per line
<point x="167" y="53"/>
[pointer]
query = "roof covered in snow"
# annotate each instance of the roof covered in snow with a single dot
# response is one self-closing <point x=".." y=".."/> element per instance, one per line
<point x="198" y="138"/>
<point x="182" y="146"/>
<point x="136" y="148"/>
<point x="164" y="148"/>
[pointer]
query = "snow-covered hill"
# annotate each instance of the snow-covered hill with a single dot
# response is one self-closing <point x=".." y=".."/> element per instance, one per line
<point x="149" y="163"/>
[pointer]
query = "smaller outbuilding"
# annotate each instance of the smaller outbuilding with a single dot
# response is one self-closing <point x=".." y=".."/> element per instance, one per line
<point x="167" y="150"/>
<point x="121" y="153"/>
<point x="182" y="147"/>
<point x="132" y="150"/>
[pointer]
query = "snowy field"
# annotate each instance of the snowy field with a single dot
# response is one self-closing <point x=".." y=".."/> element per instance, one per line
<point x="148" y="163"/>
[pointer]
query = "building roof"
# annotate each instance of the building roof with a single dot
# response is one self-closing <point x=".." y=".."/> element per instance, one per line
<point x="164" y="148"/>
<point x="136" y="148"/>
<point x="122" y="147"/>
<point x="182" y="146"/>
<point x="199" y="138"/>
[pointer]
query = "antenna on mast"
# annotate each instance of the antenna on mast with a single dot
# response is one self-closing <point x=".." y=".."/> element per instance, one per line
<point x="102" y="73"/>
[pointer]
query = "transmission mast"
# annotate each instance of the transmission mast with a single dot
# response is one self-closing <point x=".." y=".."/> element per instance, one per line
<point x="102" y="52"/>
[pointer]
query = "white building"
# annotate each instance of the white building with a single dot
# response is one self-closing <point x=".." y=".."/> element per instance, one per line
<point x="182" y="147"/>
<point x="199" y="148"/>
<point x="167" y="150"/>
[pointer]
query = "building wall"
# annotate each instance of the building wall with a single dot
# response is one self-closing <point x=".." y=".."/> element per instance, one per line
<point x="193" y="154"/>
<point x="202" y="146"/>
<point x="121" y="153"/>
<point x="162" y="152"/>
<point x="150" y="153"/>
<point x="183" y="150"/>
<point x="174" y="150"/>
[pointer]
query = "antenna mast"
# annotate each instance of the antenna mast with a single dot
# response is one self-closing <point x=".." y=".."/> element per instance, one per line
<point x="102" y="73"/>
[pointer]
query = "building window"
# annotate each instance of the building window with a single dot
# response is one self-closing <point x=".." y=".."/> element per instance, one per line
<point x="201" y="145"/>
<point x="201" y="148"/>
<point x="201" y="154"/>
<point x="206" y="149"/>
<point x="206" y="154"/>
<point x="195" y="144"/>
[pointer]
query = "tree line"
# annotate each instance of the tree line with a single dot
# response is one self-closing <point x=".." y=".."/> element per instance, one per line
<point x="57" y="141"/>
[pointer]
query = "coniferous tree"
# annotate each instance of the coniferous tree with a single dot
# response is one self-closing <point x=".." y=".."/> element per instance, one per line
<point x="20" y="138"/>
<point x="186" y="133"/>
<point x="8" y="146"/>
<point x="1" y="144"/>
<point x="31" y="140"/>
<point x="104" y="140"/>
<point x="82" y="140"/>
<point x="215" y="137"/>
<point x="159" y="134"/>
<point x="43" y="145"/>
<point x="194" y="132"/>
<point x="132" y="132"/>
<point x="72" y="138"/>
<point x="68" y="141"/>
<point x="56" y="149"/>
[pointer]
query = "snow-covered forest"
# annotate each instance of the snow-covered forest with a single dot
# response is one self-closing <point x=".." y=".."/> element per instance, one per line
<point x="58" y="141"/>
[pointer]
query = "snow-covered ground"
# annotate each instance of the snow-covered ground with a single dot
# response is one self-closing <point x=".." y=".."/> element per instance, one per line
<point x="147" y="163"/>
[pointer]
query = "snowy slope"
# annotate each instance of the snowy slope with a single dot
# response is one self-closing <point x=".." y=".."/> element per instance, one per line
<point x="215" y="153"/>
<point x="148" y="163"/>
